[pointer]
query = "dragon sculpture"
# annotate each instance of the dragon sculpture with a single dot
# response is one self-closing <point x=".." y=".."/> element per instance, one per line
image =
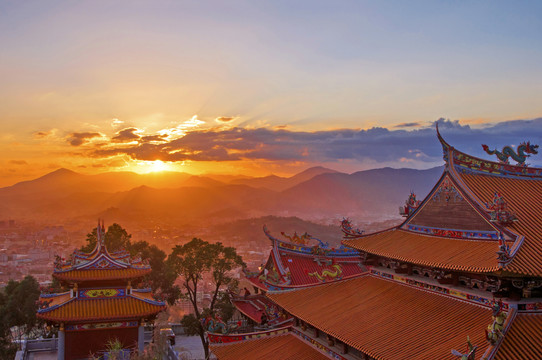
<point x="328" y="273"/>
<point x="215" y="324"/>
<point x="469" y="355"/>
<point x="348" y="229"/>
<point x="524" y="149"/>
<point x="494" y="330"/>
<point x="296" y="239"/>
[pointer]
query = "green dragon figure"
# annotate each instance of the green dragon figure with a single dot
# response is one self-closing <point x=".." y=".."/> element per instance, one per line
<point x="507" y="152"/>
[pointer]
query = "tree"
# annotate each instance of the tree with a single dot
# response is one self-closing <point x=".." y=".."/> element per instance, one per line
<point x="191" y="261"/>
<point x="116" y="238"/>
<point x="18" y="307"/>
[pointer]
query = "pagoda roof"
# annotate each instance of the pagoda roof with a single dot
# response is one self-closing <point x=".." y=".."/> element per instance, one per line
<point x="460" y="233"/>
<point x="284" y="346"/>
<point x="292" y="265"/>
<point x="105" y="304"/>
<point x="522" y="340"/>
<point x="523" y="197"/>
<point x="433" y="251"/>
<point x="100" y="264"/>
<point x="520" y="186"/>
<point x="102" y="275"/>
<point x="387" y="319"/>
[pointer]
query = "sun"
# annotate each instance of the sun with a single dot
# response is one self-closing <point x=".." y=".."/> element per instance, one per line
<point x="156" y="166"/>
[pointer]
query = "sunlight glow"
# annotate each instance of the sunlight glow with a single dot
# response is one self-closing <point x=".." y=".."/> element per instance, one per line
<point x="153" y="166"/>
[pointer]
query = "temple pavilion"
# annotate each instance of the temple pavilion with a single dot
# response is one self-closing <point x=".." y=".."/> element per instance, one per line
<point x="459" y="278"/>
<point x="101" y="305"/>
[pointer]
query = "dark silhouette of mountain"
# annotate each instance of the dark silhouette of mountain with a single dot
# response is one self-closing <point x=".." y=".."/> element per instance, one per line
<point x="277" y="183"/>
<point x="371" y="193"/>
<point x="181" y="198"/>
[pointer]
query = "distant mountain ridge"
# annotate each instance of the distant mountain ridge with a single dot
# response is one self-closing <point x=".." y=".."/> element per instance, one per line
<point x="178" y="198"/>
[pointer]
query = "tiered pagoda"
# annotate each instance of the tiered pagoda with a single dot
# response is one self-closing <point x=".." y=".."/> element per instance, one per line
<point x="460" y="278"/>
<point x="101" y="305"/>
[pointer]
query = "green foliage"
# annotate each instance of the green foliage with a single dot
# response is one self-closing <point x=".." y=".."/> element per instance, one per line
<point x="116" y="238"/>
<point x="18" y="311"/>
<point x="195" y="258"/>
<point x="191" y="324"/>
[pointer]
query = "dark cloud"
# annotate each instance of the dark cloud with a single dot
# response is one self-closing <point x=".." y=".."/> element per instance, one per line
<point x="126" y="135"/>
<point x="224" y="118"/>
<point x="418" y="146"/>
<point x="77" y="139"/>
<point x="18" y="162"/>
<point x="151" y="138"/>
<point x="408" y="125"/>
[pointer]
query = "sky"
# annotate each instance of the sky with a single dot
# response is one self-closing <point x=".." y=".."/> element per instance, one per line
<point x="260" y="87"/>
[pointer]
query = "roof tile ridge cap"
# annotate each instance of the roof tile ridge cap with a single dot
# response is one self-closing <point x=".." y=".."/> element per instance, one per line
<point x="393" y="228"/>
<point x="149" y="301"/>
<point x="48" y="296"/>
<point x="108" y="258"/>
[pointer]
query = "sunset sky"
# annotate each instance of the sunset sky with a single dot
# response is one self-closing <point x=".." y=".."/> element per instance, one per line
<point x="260" y="87"/>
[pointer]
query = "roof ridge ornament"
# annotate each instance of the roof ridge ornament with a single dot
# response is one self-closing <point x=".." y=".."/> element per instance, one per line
<point x="411" y="204"/>
<point x="499" y="211"/>
<point x="349" y="231"/>
<point x="524" y="150"/>
<point x="469" y="355"/>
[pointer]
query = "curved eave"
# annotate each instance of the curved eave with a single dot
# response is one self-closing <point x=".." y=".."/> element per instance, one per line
<point x="103" y="275"/>
<point x="431" y="251"/>
<point x="102" y="309"/>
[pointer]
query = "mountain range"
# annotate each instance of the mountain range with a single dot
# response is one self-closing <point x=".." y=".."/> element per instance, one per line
<point x="317" y="194"/>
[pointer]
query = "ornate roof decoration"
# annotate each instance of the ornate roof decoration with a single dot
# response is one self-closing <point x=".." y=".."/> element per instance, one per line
<point x="523" y="152"/>
<point x="499" y="211"/>
<point x="119" y="264"/>
<point x="411" y="204"/>
<point x="465" y="163"/>
<point x="296" y="239"/>
<point x="349" y="231"/>
<point x="469" y="355"/>
<point x="494" y="331"/>
<point x="293" y="265"/>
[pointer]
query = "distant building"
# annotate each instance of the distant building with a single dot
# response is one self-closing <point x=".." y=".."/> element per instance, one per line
<point x="101" y="305"/>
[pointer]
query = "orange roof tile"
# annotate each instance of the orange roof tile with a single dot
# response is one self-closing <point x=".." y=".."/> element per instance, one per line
<point x="387" y="320"/>
<point x="281" y="347"/>
<point x="101" y="309"/>
<point x="98" y="274"/>
<point x="522" y="340"/>
<point x="434" y="251"/>
<point x="524" y="198"/>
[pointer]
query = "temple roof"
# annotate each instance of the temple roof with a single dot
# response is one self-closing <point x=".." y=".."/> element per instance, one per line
<point x="456" y="226"/>
<point x="253" y="306"/>
<point x="388" y="320"/>
<point x="427" y="250"/>
<point x="99" y="305"/>
<point x="522" y="340"/>
<point x="524" y="198"/>
<point x="105" y="274"/>
<point x="279" y="347"/>
<point x="292" y="265"/>
<point x="100" y="264"/>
